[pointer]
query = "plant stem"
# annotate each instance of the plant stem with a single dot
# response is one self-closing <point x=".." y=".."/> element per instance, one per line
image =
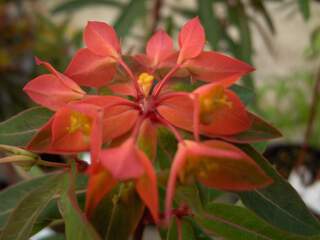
<point x="133" y="78"/>
<point x="311" y="119"/>
<point x="156" y="14"/>
<point x="160" y="85"/>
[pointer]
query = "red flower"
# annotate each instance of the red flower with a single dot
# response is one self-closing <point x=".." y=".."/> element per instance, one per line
<point x="215" y="164"/>
<point x="91" y="122"/>
<point x="123" y="163"/>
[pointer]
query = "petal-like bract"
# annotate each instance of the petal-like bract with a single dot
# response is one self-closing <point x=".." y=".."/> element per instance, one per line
<point x="212" y="67"/>
<point x="53" y="90"/>
<point x="159" y="47"/>
<point x="89" y="69"/>
<point x="215" y="164"/>
<point x="191" y="40"/>
<point x="102" y="39"/>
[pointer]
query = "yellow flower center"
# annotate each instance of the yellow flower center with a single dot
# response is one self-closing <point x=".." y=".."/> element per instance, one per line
<point x="211" y="102"/>
<point x="145" y="81"/>
<point x="79" y="122"/>
<point x="195" y="168"/>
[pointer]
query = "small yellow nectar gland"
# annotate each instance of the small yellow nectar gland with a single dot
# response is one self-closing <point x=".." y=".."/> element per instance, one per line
<point x="145" y="81"/>
<point x="79" y="122"/>
<point x="195" y="168"/>
<point x="211" y="102"/>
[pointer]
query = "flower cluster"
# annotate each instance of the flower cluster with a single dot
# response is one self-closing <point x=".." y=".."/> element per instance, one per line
<point x="130" y="97"/>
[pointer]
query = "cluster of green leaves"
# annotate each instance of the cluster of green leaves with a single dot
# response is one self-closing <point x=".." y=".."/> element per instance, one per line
<point x="276" y="212"/>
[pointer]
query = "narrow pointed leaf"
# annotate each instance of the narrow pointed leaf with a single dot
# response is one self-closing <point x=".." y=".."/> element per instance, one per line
<point x="11" y="196"/>
<point x="19" y="129"/>
<point x="20" y="223"/>
<point x="77" y="226"/>
<point x="259" y="131"/>
<point x="234" y="223"/>
<point x="118" y="214"/>
<point x="74" y="5"/>
<point x="210" y="22"/>
<point x="279" y="203"/>
<point x="304" y="6"/>
<point x="128" y="17"/>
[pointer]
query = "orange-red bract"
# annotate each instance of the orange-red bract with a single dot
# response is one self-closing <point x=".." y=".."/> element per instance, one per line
<point x="124" y="163"/>
<point x="216" y="164"/>
<point x="191" y="40"/>
<point x="53" y="90"/>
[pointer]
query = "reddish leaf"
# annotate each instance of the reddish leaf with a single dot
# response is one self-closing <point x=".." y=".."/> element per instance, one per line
<point x="178" y="111"/>
<point x="159" y="47"/>
<point x="147" y="139"/>
<point x="146" y="187"/>
<point x="212" y="66"/>
<point x="100" y="183"/>
<point x="89" y="69"/>
<point x="127" y="162"/>
<point x="123" y="162"/>
<point x="191" y="40"/>
<point x="49" y="91"/>
<point x="215" y="164"/>
<point x="125" y="89"/>
<point x="259" y="131"/>
<point x="221" y="111"/>
<point x="102" y="39"/>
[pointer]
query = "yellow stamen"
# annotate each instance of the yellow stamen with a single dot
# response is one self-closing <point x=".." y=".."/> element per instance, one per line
<point x="211" y="102"/>
<point x="145" y="81"/>
<point x="79" y="122"/>
<point x="196" y="168"/>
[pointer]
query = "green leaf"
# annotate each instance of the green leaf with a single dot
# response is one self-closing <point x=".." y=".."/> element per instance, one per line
<point x="21" y="220"/>
<point x="118" y="214"/>
<point x="304" y="6"/>
<point x="210" y="22"/>
<point x="186" y="230"/>
<point x="167" y="146"/>
<point x="246" y="95"/>
<point x="19" y="129"/>
<point x="76" y="224"/>
<point x="279" y="204"/>
<point x="52" y="213"/>
<point x="190" y="195"/>
<point x="235" y="223"/>
<point x="11" y="196"/>
<point x="259" y="131"/>
<point x="75" y="5"/>
<point x="128" y="16"/>
<point x="259" y="6"/>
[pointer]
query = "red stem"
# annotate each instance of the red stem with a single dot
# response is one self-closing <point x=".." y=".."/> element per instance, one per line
<point x="179" y="228"/>
<point x="135" y="132"/>
<point x="196" y="122"/>
<point x="171" y="128"/>
<point x="160" y="85"/>
<point x="133" y="78"/>
<point x="156" y="14"/>
<point x="312" y="116"/>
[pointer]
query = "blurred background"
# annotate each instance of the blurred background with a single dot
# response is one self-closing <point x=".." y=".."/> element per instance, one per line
<point x="280" y="38"/>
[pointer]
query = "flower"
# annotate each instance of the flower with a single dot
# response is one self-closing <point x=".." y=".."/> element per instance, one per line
<point x="120" y="128"/>
<point x="131" y="164"/>
<point x="216" y="164"/>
